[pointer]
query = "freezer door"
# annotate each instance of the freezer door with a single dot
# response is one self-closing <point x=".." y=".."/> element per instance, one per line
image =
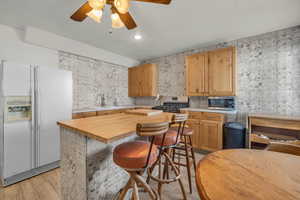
<point x="16" y="79"/>
<point x="54" y="103"/>
<point x="17" y="136"/>
<point x="17" y="148"/>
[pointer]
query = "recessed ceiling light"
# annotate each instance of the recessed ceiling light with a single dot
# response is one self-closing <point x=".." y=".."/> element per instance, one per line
<point x="137" y="37"/>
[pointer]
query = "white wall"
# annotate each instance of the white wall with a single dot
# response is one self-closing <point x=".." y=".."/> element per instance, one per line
<point x="56" y="42"/>
<point x="13" y="48"/>
<point x="35" y="46"/>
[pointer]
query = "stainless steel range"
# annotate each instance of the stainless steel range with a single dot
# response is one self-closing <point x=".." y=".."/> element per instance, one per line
<point x="173" y="104"/>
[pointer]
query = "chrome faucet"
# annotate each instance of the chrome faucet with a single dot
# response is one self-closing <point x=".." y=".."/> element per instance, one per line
<point x="98" y="99"/>
<point x="116" y="102"/>
<point x="103" y="100"/>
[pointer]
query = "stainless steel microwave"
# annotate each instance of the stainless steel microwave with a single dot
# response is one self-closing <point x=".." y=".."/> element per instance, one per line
<point x="221" y="103"/>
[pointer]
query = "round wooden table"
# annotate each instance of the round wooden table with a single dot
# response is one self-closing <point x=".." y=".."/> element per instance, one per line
<point x="245" y="174"/>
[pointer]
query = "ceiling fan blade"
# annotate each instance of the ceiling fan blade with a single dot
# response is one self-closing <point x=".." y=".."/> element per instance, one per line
<point x="126" y="18"/>
<point x="80" y="14"/>
<point x="156" y="1"/>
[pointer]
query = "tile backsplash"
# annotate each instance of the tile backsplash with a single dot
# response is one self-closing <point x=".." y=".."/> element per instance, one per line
<point x="268" y="73"/>
<point x="93" y="78"/>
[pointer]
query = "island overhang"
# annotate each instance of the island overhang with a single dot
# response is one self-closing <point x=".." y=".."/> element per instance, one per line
<point x="110" y="128"/>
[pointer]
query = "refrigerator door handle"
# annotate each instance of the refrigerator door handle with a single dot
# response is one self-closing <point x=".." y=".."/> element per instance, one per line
<point x="37" y="116"/>
<point x="2" y="66"/>
<point x="32" y="90"/>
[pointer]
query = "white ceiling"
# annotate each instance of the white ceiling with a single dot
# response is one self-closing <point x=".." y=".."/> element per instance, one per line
<point x="169" y="29"/>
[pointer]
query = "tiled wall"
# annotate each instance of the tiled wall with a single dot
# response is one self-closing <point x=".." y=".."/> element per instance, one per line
<point x="268" y="73"/>
<point x="92" y="78"/>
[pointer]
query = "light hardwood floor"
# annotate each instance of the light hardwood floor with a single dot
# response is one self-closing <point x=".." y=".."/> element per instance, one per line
<point x="47" y="187"/>
<point x="42" y="187"/>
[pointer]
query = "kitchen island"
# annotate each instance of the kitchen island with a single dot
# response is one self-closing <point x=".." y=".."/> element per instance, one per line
<point x="87" y="168"/>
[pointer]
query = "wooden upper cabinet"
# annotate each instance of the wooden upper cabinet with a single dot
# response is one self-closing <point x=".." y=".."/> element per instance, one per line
<point x="222" y="72"/>
<point x="133" y="82"/>
<point x="142" y="81"/>
<point x="211" y="73"/>
<point x="196" y="74"/>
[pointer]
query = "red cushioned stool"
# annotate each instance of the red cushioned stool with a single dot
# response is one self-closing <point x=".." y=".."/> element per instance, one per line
<point x="136" y="156"/>
<point x="166" y="143"/>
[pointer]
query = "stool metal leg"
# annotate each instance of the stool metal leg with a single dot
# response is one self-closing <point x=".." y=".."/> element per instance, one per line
<point x="187" y="156"/>
<point x="125" y="189"/>
<point x="135" y="182"/>
<point x="164" y="181"/>
<point x="178" y="175"/>
<point x="135" y="192"/>
<point x="193" y="153"/>
<point x="143" y="183"/>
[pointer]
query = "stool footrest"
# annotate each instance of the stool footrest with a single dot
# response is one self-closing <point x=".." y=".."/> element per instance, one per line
<point x="183" y="164"/>
<point x="183" y="147"/>
<point x="170" y="180"/>
<point x="181" y="154"/>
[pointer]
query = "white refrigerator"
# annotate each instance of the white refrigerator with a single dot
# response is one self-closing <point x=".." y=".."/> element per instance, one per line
<point x="33" y="99"/>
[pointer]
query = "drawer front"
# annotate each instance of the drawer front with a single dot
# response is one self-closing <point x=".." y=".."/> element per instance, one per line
<point x="89" y="114"/>
<point x="106" y="112"/>
<point x="213" y="116"/>
<point x="109" y="112"/>
<point x="76" y="116"/>
<point x="192" y="122"/>
<point x="83" y="115"/>
<point x="195" y="115"/>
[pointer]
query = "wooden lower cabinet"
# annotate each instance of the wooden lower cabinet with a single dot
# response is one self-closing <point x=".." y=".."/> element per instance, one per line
<point x="211" y="135"/>
<point x="208" y="130"/>
<point x="195" y="125"/>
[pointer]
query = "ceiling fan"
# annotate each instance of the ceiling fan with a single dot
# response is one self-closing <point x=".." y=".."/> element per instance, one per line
<point x="120" y="15"/>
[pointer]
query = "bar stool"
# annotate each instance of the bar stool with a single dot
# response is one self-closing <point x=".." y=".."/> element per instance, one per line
<point x="185" y="148"/>
<point x="165" y="144"/>
<point x="136" y="156"/>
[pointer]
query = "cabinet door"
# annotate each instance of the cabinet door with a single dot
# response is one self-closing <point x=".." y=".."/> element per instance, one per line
<point x="222" y="72"/>
<point x="194" y="124"/>
<point x="148" y="74"/>
<point x="142" y="81"/>
<point x="211" y="137"/>
<point x="196" y="75"/>
<point x="133" y="82"/>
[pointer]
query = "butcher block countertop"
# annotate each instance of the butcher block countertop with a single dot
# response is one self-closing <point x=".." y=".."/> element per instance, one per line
<point x="109" y="128"/>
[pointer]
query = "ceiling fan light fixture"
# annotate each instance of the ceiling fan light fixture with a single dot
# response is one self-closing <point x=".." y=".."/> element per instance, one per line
<point x="96" y="15"/>
<point x="97" y="4"/>
<point x="137" y="36"/>
<point x="122" y="5"/>
<point x="116" y="21"/>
